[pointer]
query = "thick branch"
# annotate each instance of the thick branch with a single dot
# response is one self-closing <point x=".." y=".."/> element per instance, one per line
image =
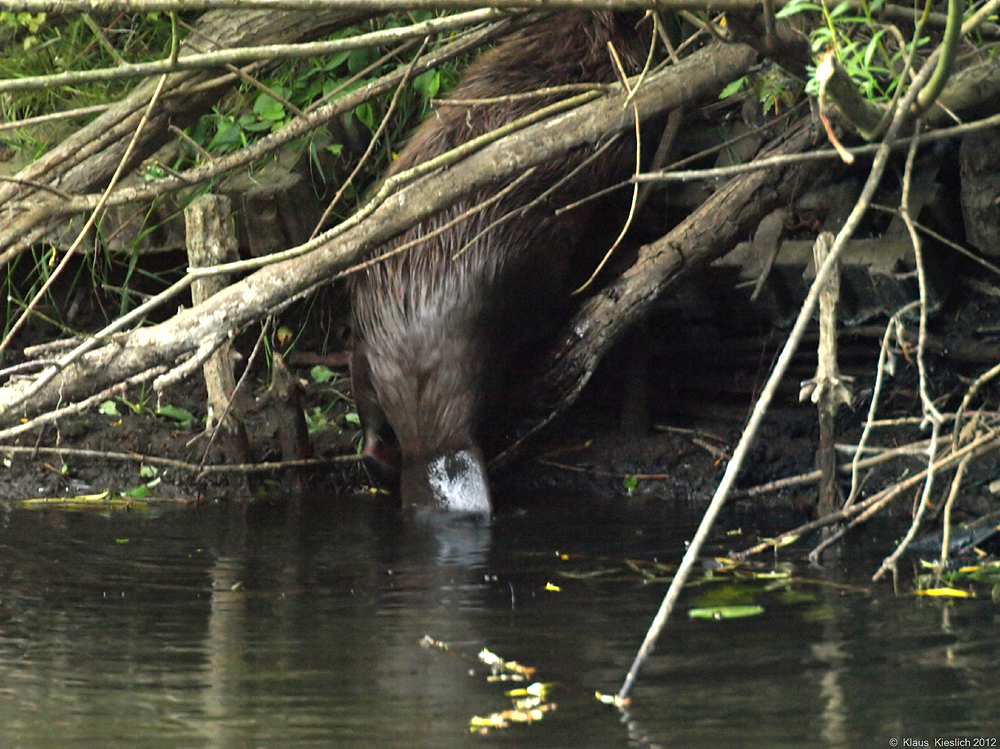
<point x="18" y="234"/>
<point x="701" y="75"/>
<point x="712" y="230"/>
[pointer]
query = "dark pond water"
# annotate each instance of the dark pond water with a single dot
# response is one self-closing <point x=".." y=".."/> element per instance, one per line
<point x="284" y="625"/>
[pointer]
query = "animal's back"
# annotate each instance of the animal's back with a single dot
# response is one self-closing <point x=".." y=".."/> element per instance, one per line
<point x="434" y="325"/>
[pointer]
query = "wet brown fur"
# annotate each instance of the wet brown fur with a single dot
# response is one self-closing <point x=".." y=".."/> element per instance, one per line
<point x="432" y="333"/>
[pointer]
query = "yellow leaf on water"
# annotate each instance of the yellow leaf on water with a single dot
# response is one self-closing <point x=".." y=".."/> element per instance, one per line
<point x="945" y="592"/>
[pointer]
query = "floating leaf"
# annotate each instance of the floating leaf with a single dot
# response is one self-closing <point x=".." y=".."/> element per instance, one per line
<point x="772" y="575"/>
<point x="725" y="612"/>
<point x="945" y="593"/>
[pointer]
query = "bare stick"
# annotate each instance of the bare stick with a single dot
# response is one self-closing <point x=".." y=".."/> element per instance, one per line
<point x="827" y="389"/>
<point x="956" y="484"/>
<point x="770" y="388"/>
<point x="876" y="393"/>
<point x="930" y="411"/>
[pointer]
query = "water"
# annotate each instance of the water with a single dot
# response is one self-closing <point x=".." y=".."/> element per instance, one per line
<point x="284" y="625"/>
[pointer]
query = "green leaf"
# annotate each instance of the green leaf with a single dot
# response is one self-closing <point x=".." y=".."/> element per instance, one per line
<point x="336" y="61"/>
<point x="366" y="114"/>
<point x="359" y="59"/>
<point x="139" y="492"/>
<point x="725" y="612"/>
<point x="182" y="416"/>
<point x="266" y="107"/>
<point x="428" y="83"/>
<point x="798" y="6"/>
<point x="733" y="88"/>
<point x="323" y="374"/>
<point x="227" y="136"/>
<point x="352" y="418"/>
<point x="840" y="10"/>
<point x="109" y="408"/>
<point x="630" y="483"/>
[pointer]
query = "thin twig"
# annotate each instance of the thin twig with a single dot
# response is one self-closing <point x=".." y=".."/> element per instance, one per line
<point x="883" y="355"/>
<point x="54" y="117"/>
<point x="771" y="387"/>
<point x="956" y="484"/>
<point x="930" y="411"/>
<point x="232" y="396"/>
<point x="889" y="563"/>
<point x="638" y="162"/>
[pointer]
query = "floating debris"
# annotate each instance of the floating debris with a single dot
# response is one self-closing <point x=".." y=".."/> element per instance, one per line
<point x="84" y="502"/>
<point x="504" y="670"/>
<point x="945" y="593"/>
<point x="529" y="704"/>
<point x="429" y="642"/>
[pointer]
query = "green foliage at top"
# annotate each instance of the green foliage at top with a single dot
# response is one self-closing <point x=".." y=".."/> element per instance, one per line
<point x="311" y="82"/>
<point x="871" y="52"/>
<point x="44" y="44"/>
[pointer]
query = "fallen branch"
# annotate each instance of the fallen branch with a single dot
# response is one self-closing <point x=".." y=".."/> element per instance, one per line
<point x="700" y="75"/>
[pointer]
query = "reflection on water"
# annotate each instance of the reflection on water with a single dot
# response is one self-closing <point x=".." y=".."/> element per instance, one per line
<point x="282" y="624"/>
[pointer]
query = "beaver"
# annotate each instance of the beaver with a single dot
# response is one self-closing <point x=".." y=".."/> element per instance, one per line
<point x="434" y="334"/>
